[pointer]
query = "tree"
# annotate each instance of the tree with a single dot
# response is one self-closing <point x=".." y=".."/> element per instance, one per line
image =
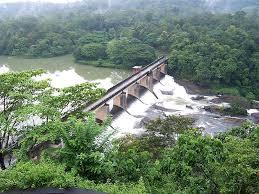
<point x="27" y="104"/>
<point x="18" y="94"/>
<point x="90" y="52"/>
<point x="130" y="52"/>
<point x="78" y="150"/>
<point x="163" y="133"/>
<point x="224" y="164"/>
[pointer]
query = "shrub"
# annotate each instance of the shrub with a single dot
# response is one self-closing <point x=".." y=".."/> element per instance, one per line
<point x="32" y="175"/>
<point x="236" y="110"/>
<point x="115" y="188"/>
<point x="227" y="91"/>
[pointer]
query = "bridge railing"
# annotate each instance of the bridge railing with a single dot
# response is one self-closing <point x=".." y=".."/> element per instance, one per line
<point x="115" y="90"/>
<point x="128" y="78"/>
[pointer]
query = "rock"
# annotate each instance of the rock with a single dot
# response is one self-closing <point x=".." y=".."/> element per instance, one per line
<point x="232" y="99"/>
<point x="207" y="108"/>
<point x="213" y="109"/>
<point x="151" y="115"/>
<point x="236" y="121"/>
<point x="169" y="93"/>
<point x="255" y="117"/>
<point x="161" y="108"/>
<point x="190" y="107"/>
<point x="198" y="98"/>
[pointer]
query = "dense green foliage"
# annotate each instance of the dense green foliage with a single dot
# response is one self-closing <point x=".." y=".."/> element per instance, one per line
<point x="130" y="52"/>
<point x="219" y="51"/>
<point x="193" y="164"/>
<point x="20" y="114"/>
<point x="49" y="174"/>
<point x="215" y="50"/>
<point x="90" y="52"/>
<point x="56" y="144"/>
<point x="32" y="37"/>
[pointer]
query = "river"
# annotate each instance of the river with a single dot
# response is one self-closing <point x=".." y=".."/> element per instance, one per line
<point x="64" y="71"/>
<point x="173" y="98"/>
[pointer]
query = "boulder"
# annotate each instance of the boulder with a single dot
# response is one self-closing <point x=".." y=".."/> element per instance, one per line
<point x="161" y="108"/>
<point x="169" y="93"/>
<point x="189" y="107"/>
<point x="232" y="99"/>
<point x="198" y="98"/>
<point x="255" y="117"/>
<point x="212" y="109"/>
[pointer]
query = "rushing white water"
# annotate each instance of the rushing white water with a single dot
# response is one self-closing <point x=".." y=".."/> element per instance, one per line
<point x="4" y="69"/>
<point x="172" y="100"/>
<point x="251" y="111"/>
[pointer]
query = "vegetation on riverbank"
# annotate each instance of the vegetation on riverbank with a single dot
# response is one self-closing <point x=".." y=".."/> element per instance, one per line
<point x="55" y="144"/>
<point x="173" y="157"/>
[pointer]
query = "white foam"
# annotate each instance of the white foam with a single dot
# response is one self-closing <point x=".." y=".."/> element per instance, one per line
<point x="104" y="83"/>
<point x="175" y="98"/>
<point x="125" y="124"/>
<point x="62" y="79"/>
<point x="251" y="111"/>
<point x="67" y="78"/>
<point x="4" y="69"/>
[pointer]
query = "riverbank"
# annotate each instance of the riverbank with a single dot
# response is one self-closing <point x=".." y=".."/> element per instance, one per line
<point x="237" y="105"/>
<point x="101" y="63"/>
<point x="193" y="88"/>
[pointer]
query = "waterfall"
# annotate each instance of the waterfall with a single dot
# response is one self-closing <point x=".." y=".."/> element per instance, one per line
<point x="172" y="100"/>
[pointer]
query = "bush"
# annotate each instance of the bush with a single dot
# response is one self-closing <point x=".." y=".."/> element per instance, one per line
<point x="31" y="175"/>
<point x="116" y="188"/>
<point x="227" y="91"/>
<point x="238" y="107"/>
<point x="236" y="110"/>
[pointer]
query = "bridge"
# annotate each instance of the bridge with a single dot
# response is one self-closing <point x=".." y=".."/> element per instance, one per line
<point x="130" y="87"/>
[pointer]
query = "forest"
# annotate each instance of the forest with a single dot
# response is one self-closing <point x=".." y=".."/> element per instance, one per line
<point x="219" y="51"/>
<point x="47" y="140"/>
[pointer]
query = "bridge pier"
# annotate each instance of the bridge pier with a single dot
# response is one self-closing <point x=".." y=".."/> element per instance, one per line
<point x="150" y="81"/>
<point x="134" y="90"/>
<point x="120" y="101"/>
<point x="156" y="74"/>
<point x="102" y="113"/>
<point x="147" y="81"/>
<point x="164" y="69"/>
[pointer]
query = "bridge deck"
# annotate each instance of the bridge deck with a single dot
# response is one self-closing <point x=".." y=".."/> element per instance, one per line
<point x="117" y="89"/>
